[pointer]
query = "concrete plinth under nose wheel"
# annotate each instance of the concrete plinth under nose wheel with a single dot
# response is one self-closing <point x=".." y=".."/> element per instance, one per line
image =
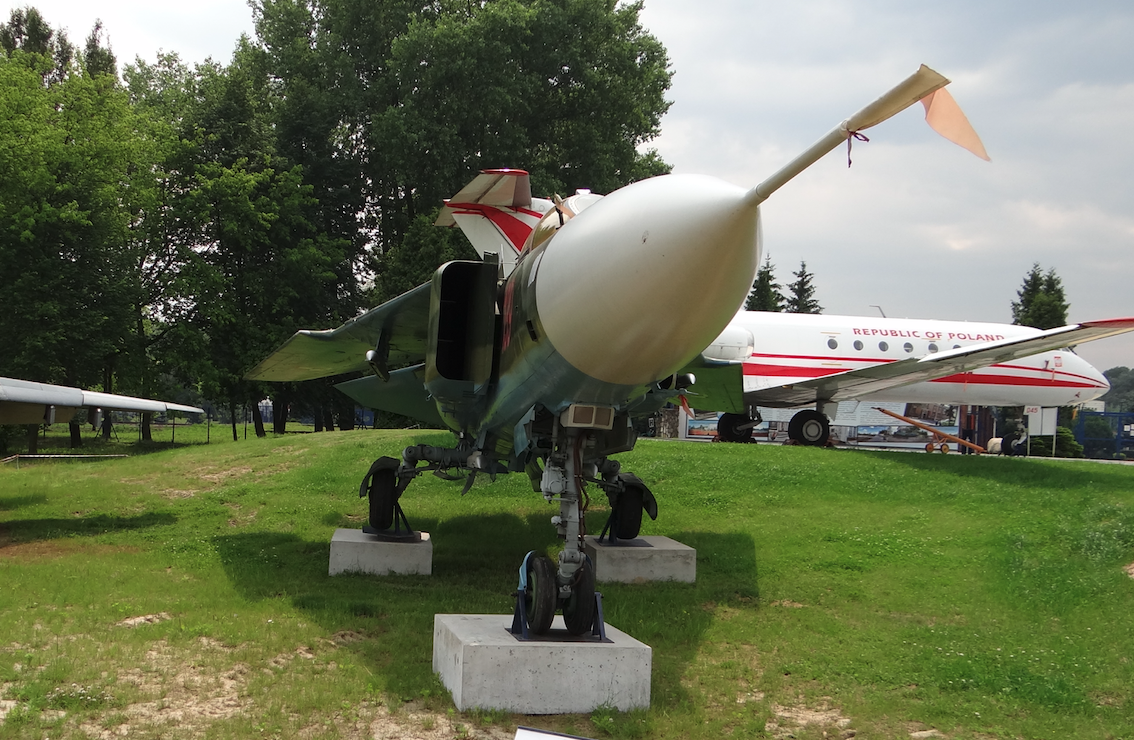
<point x="485" y="666"/>
<point x="642" y="559"/>
<point x="355" y="551"/>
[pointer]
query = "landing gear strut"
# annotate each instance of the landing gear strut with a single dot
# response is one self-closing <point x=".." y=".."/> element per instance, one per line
<point x="562" y="481"/>
<point x="567" y="585"/>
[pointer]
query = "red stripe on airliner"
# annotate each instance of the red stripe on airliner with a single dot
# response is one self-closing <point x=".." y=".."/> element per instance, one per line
<point x="790" y="371"/>
<point x="974" y="379"/>
<point x="514" y="230"/>
<point x="796" y="371"/>
<point x="1051" y="370"/>
<point x="828" y="358"/>
<point x="802" y="372"/>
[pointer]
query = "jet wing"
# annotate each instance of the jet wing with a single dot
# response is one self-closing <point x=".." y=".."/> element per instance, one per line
<point x="397" y="330"/>
<point x="857" y="383"/>
<point x="25" y="402"/>
<point x="718" y="386"/>
<point x="404" y="393"/>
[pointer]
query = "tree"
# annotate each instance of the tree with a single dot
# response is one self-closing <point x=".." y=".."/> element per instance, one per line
<point x="68" y="145"/>
<point x="1120" y="397"/>
<point x="802" y="296"/>
<point x="765" y="295"/>
<point x="413" y="99"/>
<point x="1041" y="302"/>
<point x="27" y="31"/>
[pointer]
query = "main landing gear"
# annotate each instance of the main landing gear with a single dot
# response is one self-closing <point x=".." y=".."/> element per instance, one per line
<point x="808" y="427"/>
<point x="566" y="585"/>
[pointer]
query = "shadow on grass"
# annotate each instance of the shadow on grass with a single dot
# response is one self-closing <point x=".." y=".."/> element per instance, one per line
<point x="11" y="503"/>
<point x="30" y="530"/>
<point x="475" y="571"/>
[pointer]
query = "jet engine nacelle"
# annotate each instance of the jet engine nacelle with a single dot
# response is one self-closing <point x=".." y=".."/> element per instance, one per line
<point x="734" y="344"/>
<point x="463" y="337"/>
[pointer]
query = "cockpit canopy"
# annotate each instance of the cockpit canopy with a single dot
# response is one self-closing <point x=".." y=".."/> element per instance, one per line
<point x="562" y="212"/>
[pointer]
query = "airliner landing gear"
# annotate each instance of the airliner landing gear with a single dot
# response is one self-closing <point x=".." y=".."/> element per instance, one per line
<point x="737" y="427"/>
<point x="809" y="427"/>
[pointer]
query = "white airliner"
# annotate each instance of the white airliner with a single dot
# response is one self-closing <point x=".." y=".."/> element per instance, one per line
<point x="791" y="360"/>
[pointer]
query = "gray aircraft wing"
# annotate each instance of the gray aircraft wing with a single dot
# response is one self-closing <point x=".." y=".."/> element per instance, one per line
<point x="397" y="330"/>
<point x="404" y="393"/>
<point x="26" y="402"/>
<point x="857" y="383"/>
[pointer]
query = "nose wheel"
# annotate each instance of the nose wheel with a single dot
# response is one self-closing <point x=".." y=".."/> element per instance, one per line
<point x="541" y="593"/>
<point x="579" y="607"/>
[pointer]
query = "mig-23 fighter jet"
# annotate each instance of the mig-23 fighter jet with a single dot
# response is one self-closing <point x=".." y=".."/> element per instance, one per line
<point x="539" y="356"/>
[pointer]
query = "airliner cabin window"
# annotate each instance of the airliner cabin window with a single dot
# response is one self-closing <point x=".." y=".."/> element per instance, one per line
<point x="832" y="343"/>
<point x="907" y="347"/>
<point x="883" y="346"/>
<point x="932" y="347"/>
<point x="858" y="344"/>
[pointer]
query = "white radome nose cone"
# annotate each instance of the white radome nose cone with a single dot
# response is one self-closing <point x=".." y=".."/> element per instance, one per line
<point x="1080" y="366"/>
<point x="635" y="286"/>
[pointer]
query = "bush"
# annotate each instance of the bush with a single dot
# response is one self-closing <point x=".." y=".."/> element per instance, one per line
<point x="1065" y="445"/>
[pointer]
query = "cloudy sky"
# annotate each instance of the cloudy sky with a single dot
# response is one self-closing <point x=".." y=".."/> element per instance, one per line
<point x="917" y="226"/>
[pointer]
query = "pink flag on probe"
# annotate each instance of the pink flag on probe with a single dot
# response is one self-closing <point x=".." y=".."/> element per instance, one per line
<point x="946" y="118"/>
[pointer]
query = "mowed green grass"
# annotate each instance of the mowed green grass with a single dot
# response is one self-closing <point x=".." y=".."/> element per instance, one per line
<point x="884" y="593"/>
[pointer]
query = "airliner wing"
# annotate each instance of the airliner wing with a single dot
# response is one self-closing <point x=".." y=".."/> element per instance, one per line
<point x="397" y="330"/>
<point x="25" y="402"/>
<point x="843" y="386"/>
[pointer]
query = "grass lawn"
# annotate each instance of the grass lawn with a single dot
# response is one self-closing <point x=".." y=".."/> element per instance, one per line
<point x="184" y="593"/>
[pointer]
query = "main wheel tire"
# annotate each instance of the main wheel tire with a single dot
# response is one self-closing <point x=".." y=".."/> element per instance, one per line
<point x="382" y="499"/>
<point x="627" y="512"/>
<point x="728" y="428"/>
<point x="579" y="609"/>
<point x="809" y="427"/>
<point x="542" y="594"/>
<point x="944" y="448"/>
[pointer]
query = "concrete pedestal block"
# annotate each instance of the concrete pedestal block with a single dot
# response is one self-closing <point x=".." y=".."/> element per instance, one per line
<point x="642" y="559"/>
<point x="486" y="667"/>
<point x="354" y="551"/>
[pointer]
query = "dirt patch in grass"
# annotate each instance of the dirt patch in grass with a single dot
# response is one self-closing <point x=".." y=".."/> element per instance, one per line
<point x="174" y="494"/>
<point x="1129" y="570"/>
<point x="181" y="690"/>
<point x="226" y="474"/>
<point x="789" y="719"/>
<point x="145" y="619"/>
<point x="49" y="549"/>
<point x="186" y="690"/>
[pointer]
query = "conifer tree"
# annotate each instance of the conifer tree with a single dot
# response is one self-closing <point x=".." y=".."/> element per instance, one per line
<point x="802" y="296"/>
<point x="765" y="295"/>
<point x="1041" y="301"/>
